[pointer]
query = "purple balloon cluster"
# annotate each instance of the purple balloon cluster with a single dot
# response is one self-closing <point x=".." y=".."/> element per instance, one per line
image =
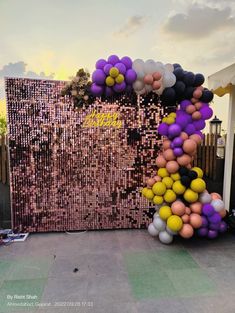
<point x="112" y="76"/>
<point x="212" y="223"/>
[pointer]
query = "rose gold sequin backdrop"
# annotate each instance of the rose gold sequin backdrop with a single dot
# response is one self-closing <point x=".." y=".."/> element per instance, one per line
<point x="65" y="177"/>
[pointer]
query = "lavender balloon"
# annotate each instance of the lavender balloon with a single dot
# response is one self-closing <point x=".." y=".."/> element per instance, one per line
<point x="100" y="64"/>
<point x="212" y="234"/>
<point x="178" y="152"/>
<point x="119" y="87"/>
<point x="163" y="129"/>
<point x="214" y="226"/>
<point x="215" y="218"/>
<point x="127" y="62"/>
<point x="121" y="67"/>
<point x="98" y="77"/>
<point x="96" y="90"/>
<point x="202" y="232"/>
<point x="108" y="91"/>
<point x="182" y="120"/>
<point x="178" y="141"/>
<point x="190" y="129"/>
<point x="204" y="221"/>
<point x="184" y="104"/>
<point x="130" y="76"/>
<point x="223" y="227"/>
<point x="113" y="59"/>
<point x="206" y="113"/>
<point x="200" y="124"/>
<point x="107" y="68"/>
<point x="174" y="130"/>
<point x="208" y="210"/>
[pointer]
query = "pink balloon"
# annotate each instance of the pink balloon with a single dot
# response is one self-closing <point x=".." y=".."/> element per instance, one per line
<point x="185" y="218"/>
<point x="157" y="75"/>
<point x="172" y="167"/>
<point x="178" y="208"/>
<point x="148" y="79"/>
<point x="157" y="178"/>
<point x="196" y="207"/>
<point x="196" y="138"/>
<point x="195" y="220"/>
<point x="169" y="155"/>
<point x="189" y="146"/>
<point x="186" y="231"/>
<point x="184" y="135"/>
<point x="194" y="100"/>
<point x="196" y="116"/>
<point x="215" y="196"/>
<point x="156" y="85"/>
<point x="150" y="182"/>
<point x="197" y="93"/>
<point x="198" y="105"/>
<point x="188" y="210"/>
<point x="184" y="160"/>
<point x="166" y="144"/>
<point x="190" y="109"/>
<point x="160" y="161"/>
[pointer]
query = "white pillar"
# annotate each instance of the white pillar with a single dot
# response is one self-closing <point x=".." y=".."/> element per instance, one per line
<point x="229" y="149"/>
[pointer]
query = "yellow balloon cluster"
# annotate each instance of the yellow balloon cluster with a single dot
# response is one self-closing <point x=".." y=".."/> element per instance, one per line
<point x="170" y="118"/>
<point x="114" y="77"/>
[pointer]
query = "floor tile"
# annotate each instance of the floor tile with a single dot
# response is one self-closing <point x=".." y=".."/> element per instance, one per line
<point x="161" y="306"/>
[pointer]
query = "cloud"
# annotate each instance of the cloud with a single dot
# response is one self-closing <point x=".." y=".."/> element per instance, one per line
<point x="132" y="25"/>
<point x="18" y="69"/>
<point x="199" y="21"/>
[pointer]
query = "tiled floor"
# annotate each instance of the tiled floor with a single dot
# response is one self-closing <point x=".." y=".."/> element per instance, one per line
<point x="124" y="271"/>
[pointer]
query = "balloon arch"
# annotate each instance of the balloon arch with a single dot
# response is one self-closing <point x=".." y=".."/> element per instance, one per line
<point x="183" y="206"/>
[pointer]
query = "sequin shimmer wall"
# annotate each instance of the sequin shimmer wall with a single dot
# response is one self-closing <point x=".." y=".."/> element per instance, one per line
<point x="67" y="171"/>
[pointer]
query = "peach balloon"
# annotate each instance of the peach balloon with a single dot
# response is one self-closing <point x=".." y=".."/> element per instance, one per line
<point x="186" y="231"/>
<point x="160" y="161"/>
<point x="196" y="207"/>
<point x="178" y="208"/>
<point x="148" y="79"/>
<point x="169" y="155"/>
<point x="196" y="138"/>
<point x="198" y="105"/>
<point x="190" y="109"/>
<point x="215" y="196"/>
<point x="187" y="210"/>
<point x="184" y="135"/>
<point x="196" y="116"/>
<point x="200" y="88"/>
<point x="166" y="144"/>
<point x="156" y="85"/>
<point x="189" y="146"/>
<point x="184" y="160"/>
<point x="157" y="75"/>
<point x="157" y="178"/>
<point x="223" y="213"/>
<point x="150" y="182"/>
<point x="185" y="218"/>
<point x="195" y="220"/>
<point x="197" y="93"/>
<point x="193" y="100"/>
<point x="189" y="166"/>
<point x="172" y="167"/>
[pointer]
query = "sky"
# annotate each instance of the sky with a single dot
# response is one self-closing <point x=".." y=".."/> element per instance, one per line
<point x="52" y="39"/>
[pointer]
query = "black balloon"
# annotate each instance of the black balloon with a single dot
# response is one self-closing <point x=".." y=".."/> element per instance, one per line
<point x="188" y="94"/>
<point x="189" y="78"/>
<point x="176" y="65"/>
<point x="199" y="80"/>
<point x="179" y="73"/>
<point x="207" y="96"/>
<point x="192" y="174"/>
<point x="183" y="171"/>
<point x="168" y="96"/>
<point x="186" y="181"/>
<point x="179" y="87"/>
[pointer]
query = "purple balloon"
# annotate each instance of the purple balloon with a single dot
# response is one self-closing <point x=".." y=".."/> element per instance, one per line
<point x="223" y="227"/>
<point x="212" y="234"/>
<point x="174" y="130"/>
<point x="178" y="141"/>
<point x="127" y="62"/>
<point x="198" y="132"/>
<point x="96" y="90"/>
<point x="208" y="210"/>
<point x="108" y="91"/>
<point x="202" y="232"/>
<point x="204" y="221"/>
<point x="182" y="120"/>
<point x="214" y="226"/>
<point x="119" y="87"/>
<point x="215" y="218"/>
<point x="178" y="152"/>
<point x="129" y="88"/>
<point x="190" y="129"/>
<point x="163" y="129"/>
<point x="113" y="59"/>
<point x="206" y="113"/>
<point x="130" y="76"/>
<point x="98" y="77"/>
<point x="184" y="104"/>
<point x="200" y="124"/>
<point x="107" y="68"/>
<point x="121" y="67"/>
<point x="100" y="64"/>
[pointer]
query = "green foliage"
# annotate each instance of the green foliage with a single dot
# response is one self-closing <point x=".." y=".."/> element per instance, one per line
<point x="3" y="125"/>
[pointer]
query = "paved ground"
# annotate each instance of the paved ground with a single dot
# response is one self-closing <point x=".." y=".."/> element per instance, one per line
<point x="123" y="271"/>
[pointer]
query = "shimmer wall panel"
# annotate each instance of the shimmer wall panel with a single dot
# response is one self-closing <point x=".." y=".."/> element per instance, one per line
<point x="76" y="170"/>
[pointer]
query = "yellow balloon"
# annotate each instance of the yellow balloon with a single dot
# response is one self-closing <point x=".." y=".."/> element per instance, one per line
<point x="172" y="114"/>
<point x="169" y="196"/>
<point x="158" y="200"/>
<point x="175" y="223"/>
<point x="165" y="212"/>
<point x="149" y="194"/>
<point x="164" y="120"/>
<point x="168" y="181"/>
<point x="198" y="170"/>
<point x="178" y="188"/>
<point x="162" y="172"/>
<point x="190" y="195"/>
<point x="198" y="185"/>
<point x="175" y="176"/>
<point x="170" y="120"/>
<point x="143" y="191"/>
<point x="114" y="72"/>
<point x="110" y="81"/>
<point x="119" y="79"/>
<point x="159" y="188"/>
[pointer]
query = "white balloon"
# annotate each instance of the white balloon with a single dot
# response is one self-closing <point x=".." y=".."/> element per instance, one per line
<point x="169" y="67"/>
<point x="140" y="75"/>
<point x="157" y="207"/>
<point x="159" y="91"/>
<point x="148" y="88"/>
<point x="138" y="85"/>
<point x="159" y="224"/>
<point x="217" y="204"/>
<point x="169" y="79"/>
<point x="155" y="215"/>
<point x="165" y="238"/>
<point x="205" y="197"/>
<point x="160" y="67"/>
<point x="138" y="65"/>
<point x="171" y="232"/>
<point x="141" y="92"/>
<point x="150" y="66"/>
<point x="152" y="230"/>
